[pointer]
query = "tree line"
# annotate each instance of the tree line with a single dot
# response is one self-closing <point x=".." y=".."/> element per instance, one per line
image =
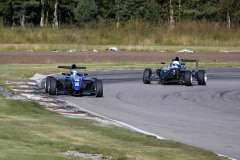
<point x="44" y="13"/>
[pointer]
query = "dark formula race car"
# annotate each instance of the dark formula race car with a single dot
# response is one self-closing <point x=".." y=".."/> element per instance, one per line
<point x="176" y="72"/>
<point x="74" y="83"/>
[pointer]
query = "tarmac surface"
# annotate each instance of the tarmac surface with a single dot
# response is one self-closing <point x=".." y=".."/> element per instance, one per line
<point x="203" y="116"/>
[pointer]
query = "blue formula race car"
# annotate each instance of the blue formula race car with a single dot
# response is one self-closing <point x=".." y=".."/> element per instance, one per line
<point x="74" y="83"/>
<point x="176" y="72"/>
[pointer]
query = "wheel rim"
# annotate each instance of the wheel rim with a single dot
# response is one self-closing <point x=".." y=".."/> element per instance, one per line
<point x="46" y="85"/>
<point x="96" y="91"/>
<point x="205" y="77"/>
<point x="49" y="86"/>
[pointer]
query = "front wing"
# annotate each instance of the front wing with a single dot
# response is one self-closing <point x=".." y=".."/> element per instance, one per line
<point x="75" y="87"/>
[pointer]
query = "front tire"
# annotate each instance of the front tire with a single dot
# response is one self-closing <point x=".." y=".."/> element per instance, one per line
<point x="202" y="77"/>
<point x="147" y="75"/>
<point x="99" y="88"/>
<point x="52" y="86"/>
<point x="188" y="78"/>
<point x="47" y="83"/>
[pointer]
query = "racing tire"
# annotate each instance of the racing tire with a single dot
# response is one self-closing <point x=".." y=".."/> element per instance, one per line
<point x="99" y="88"/>
<point x="147" y="75"/>
<point x="188" y="78"/>
<point x="52" y="86"/>
<point x="47" y="81"/>
<point x="202" y="77"/>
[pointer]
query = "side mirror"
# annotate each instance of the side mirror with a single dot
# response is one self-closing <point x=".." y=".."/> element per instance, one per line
<point x="163" y="63"/>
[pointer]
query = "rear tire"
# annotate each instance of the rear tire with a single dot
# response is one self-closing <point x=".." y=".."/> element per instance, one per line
<point x="188" y="78"/>
<point x="147" y="75"/>
<point x="99" y="88"/>
<point x="47" y="83"/>
<point x="52" y="86"/>
<point x="202" y="77"/>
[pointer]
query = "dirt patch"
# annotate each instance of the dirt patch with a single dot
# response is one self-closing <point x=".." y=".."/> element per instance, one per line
<point x="121" y="56"/>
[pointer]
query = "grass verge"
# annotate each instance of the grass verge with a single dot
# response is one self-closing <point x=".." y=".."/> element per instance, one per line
<point x="138" y="36"/>
<point x="67" y="47"/>
<point x="28" y="131"/>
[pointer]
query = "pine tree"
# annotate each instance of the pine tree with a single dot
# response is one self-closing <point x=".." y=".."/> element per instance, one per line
<point x="41" y="12"/>
<point x="66" y="15"/>
<point x="24" y="10"/>
<point x="129" y="9"/>
<point x="236" y="12"/>
<point x="6" y="12"/>
<point x="85" y="11"/>
<point x="152" y="12"/>
<point x="106" y="9"/>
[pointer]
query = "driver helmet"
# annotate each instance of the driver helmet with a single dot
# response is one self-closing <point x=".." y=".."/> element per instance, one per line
<point x="175" y="64"/>
<point x="74" y="72"/>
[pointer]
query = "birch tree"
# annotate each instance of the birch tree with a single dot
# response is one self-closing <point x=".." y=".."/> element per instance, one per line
<point x="226" y="8"/>
<point x="55" y="19"/>
<point x="42" y="13"/>
<point x="19" y="8"/>
<point x="179" y="7"/>
<point x="171" y="14"/>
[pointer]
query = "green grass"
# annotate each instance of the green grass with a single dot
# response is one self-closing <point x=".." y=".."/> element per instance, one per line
<point x="28" y="131"/>
<point x="140" y="36"/>
<point x="66" y="47"/>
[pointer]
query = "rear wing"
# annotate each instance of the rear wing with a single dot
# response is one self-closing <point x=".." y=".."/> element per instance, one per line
<point x="68" y="67"/>
<point x="188" y="60"/>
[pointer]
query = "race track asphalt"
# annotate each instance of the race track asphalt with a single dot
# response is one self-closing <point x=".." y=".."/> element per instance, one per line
<point x="203" y="116"/>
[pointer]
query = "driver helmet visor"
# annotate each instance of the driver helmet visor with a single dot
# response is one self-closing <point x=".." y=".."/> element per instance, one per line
<point x="175" y="65"/>
<point x="74" y="72"/>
